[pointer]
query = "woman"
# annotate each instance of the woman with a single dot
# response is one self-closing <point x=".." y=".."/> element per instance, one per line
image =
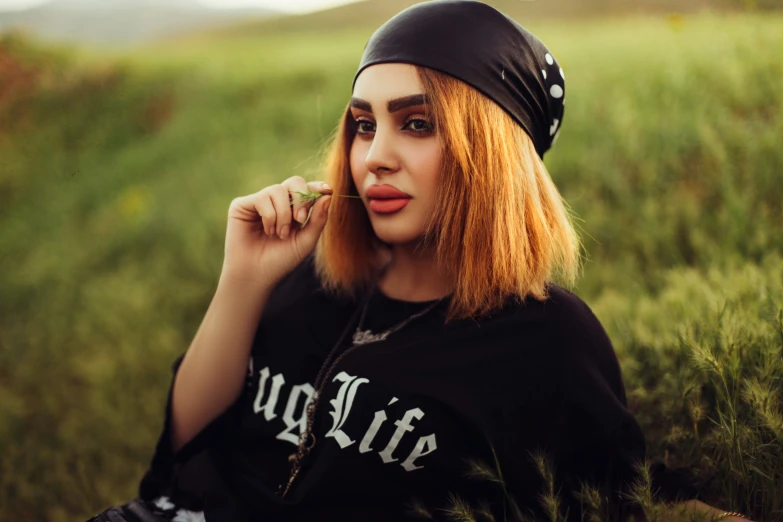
<point x="406" y="354"/>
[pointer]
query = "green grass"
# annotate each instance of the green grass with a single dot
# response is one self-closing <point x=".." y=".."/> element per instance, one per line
<point x="116" y="172"/>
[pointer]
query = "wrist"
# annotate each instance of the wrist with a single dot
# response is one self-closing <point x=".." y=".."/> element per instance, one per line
<point x="731" y="514"/>
<point x="237" y="283"/>
<point x="713" y="514"/>
<point x="237" y="279"/>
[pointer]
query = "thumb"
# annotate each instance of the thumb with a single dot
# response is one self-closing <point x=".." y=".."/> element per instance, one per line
<point x="312" y="230"/>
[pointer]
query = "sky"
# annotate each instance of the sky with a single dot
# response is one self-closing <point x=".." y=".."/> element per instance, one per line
<point x="291" y="6"/>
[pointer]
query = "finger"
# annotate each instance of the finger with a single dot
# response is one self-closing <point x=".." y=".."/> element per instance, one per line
<point x="253" y="208"/>
<point x="308" y="236"/>
<point x="266" y="210"/>
<point x="295" y="185"/>
<point x="321" y="187"/>
<point x="282" y="203"/>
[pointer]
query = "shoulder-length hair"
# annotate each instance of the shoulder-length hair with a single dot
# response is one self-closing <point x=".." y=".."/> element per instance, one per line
<point x="498" y="227"/>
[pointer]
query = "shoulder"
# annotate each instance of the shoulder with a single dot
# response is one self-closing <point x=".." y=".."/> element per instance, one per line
<point x="562" y="315"/>
<point x="586" y="370"/>
<point x="299" y="300"/>
<point x="295" y="291"/>
<point x="571" y="318"/>
<point x="570" y="332"/>
<point x="299" y="314"/>
<point x="562" y="325"/>
<point x="589" y="360"/>
<point x="574" y="323"/>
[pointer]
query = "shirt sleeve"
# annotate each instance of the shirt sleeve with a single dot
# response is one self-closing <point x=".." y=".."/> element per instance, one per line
<point x="175" y="474"/>
<point x="602" y="441"/>
<point x="165" y="463"/>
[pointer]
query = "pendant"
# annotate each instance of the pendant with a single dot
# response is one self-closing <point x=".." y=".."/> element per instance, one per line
<point x="366" y="337"/>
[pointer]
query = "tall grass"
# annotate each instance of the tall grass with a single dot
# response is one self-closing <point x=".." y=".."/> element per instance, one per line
<point x="116" y="173"/>
<point x="707" y="349"/>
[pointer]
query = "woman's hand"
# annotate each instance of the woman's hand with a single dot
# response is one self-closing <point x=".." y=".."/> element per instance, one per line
<point x="264" y="238"/>
<point x="684" y="510"/>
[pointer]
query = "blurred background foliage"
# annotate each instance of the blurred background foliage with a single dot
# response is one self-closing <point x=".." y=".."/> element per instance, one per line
<point x="117" y="169"/>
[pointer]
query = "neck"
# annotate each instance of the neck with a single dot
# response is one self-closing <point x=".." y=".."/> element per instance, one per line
<point x="411" y="275"/>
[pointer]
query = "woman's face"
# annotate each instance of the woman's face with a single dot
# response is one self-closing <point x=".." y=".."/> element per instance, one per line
<point x="396" y="146"/>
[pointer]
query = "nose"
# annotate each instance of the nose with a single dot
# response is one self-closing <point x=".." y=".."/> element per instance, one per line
<point x="382" y="157"/>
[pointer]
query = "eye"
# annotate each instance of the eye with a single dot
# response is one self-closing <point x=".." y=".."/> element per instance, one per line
<point x="415" y="125"/>
<point x="364" y="126"/>
<point x="422" y="127"/>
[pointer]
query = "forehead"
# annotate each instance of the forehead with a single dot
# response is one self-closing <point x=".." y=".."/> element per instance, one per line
<point x="384" y="81"/>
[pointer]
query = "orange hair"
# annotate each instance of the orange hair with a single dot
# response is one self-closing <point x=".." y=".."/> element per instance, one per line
<point x="498" y="228"/>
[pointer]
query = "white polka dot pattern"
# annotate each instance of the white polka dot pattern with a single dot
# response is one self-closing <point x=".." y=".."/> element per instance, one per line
<point x="553" y="128"/>
<point x="555" y="86"/>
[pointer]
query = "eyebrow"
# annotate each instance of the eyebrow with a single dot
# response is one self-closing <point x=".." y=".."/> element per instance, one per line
<point x="397" y="104"/>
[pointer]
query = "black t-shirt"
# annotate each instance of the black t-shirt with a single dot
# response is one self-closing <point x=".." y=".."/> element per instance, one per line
<point x="432" y="415"/>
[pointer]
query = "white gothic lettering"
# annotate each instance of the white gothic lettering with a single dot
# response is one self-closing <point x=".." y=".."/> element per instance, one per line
<point x="294" y="416"/>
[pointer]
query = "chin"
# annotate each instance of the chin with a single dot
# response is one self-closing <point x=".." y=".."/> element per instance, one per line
<point x="397" y="236"/>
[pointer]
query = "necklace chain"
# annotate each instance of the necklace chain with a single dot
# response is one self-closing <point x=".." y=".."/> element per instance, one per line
<point x="360" y="338"/>
<point x="366" y="336"/>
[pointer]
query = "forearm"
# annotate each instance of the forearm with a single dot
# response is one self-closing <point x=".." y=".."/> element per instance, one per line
<point x="695" y="510"/>
<point x="211" y="375"/>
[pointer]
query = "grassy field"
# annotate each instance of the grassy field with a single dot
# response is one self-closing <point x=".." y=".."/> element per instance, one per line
<point x="116" y="172"/>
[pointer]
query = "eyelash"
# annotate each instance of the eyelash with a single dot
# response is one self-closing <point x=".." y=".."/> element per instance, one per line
<point x="428" y="130"/>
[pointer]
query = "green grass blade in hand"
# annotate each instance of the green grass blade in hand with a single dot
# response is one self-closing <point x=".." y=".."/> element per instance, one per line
<point x="310" y="196"/>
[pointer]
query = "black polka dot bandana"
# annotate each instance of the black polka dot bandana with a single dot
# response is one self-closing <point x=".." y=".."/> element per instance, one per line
<point x="484" y="48"/>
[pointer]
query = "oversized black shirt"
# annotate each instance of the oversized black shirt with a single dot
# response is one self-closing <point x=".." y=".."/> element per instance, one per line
<point x="433" y="415"/>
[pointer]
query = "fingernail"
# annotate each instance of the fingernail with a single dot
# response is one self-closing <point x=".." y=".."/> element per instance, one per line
<point x="301" y="215"/>
<point x="284" y="232"/>
<point x="327" y="187"/>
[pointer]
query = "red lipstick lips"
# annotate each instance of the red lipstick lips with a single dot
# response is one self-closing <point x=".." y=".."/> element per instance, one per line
<point x="385" y="192"/>
<point x="385" y="199"/>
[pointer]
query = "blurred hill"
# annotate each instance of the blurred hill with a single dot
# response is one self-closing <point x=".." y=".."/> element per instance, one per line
<point x="121" y="21"/>
<point x="372" y="13"/>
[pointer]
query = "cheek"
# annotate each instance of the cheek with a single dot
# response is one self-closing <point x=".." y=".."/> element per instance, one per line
<point x="429" y="164"/>
<point x="356" y="160"/>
